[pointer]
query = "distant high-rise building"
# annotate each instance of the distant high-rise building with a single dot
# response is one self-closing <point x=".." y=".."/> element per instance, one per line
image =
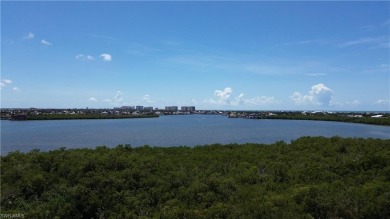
<point x="188" y="108"/>
<point x="171" y="108"/>
<point x="139" y="108"/>
<point x="127" y="107"/>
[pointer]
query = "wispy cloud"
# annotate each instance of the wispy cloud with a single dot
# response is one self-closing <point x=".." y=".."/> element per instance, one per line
<point x="16" y="89"/>
<point x="46" y="43"/>
<point x="116" y="101"/>
<point x="106" y="57"/>
<point x="308" y="42"/>
<point x="84" y="57"/>
<point x="374" y="42"/>
<point x="383" y="102"/>
<point x="118" y="97"/>
<point x="372" y="27"/>
<point x="172" y="43"/>
<point x="147" y="98"/>
<point x="240" y="63"/>
<point x="262" y="100"/>
<point x="352" y="103"/>
<point x="29" y="36"/>
<point x="386" y="24"/>
<point x="138" y="49"/>
<point x="317" y="74"/>
<point x="382" y="68"/>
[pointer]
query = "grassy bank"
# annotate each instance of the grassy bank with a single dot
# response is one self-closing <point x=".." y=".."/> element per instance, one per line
<point x="313" y="177"/>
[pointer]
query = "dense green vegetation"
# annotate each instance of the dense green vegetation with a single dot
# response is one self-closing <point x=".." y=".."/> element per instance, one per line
<point x="312" y="177"/>
<point x="85" y="116"/>
<point x="333" y="117"/>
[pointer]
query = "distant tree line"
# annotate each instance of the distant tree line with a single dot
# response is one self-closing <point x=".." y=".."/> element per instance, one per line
<point x="79" y="116"/>
<point x="311" y="177"/>
<point x="332" y="117"/>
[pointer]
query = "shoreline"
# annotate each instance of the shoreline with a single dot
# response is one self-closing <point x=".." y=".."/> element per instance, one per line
<point x="78" y="117"/>
<point x="384" y="121"/>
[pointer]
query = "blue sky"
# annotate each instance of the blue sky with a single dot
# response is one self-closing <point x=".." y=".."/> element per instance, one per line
<point x="214" y="55"/>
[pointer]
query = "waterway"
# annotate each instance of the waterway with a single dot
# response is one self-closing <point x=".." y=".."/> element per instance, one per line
<point x="188" y="130"/>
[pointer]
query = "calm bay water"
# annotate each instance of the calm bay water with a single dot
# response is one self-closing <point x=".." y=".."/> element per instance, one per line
<point x="188" y="130"/>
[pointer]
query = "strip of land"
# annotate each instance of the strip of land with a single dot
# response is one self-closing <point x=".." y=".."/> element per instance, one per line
<point x="373" y="118"/>
<point x="333" y="117"/>
<point x="83" y="116"/>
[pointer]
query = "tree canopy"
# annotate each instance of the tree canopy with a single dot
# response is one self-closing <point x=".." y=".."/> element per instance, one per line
<point x="311" y="177"/>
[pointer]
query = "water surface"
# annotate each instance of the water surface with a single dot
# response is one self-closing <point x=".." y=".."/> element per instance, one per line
<point x="186" y="130"/>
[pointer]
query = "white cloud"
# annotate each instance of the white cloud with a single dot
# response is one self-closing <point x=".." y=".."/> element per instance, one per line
<point x="147" y="98"/>
<point x="106" y="57"/>
<point x="92" y="99"/>
<point x="84" y="57"/>
<point x="45" y="42"/>
<point x="4" y="82"/>
<point x="299" y="99"/>
<point x="239" y="100"/>
<point x="318" y="95"/>
<point x="224" y="98"/>
<point x="29" y="36"/>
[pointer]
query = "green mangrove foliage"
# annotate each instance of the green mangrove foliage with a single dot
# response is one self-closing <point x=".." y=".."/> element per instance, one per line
<point x="312" y="177"/>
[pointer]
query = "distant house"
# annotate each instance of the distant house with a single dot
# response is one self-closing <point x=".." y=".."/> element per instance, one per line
<point x="377" y="116"/>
